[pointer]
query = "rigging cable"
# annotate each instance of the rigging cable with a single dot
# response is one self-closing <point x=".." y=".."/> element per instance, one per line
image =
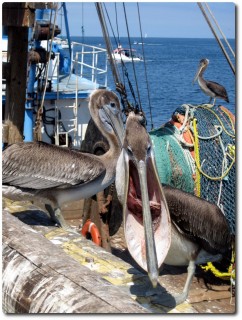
<point x="215" y="21"/>
<point x="136" y="82"/>
<point x="107" y="40"/>
<point x="119" y="86"/>
<point x="37" y="129"/>
<point x="216" y="36"/>
<point x="146" y="77"/>
<point x="116" y="15"/>
<point x="124" y="69"/>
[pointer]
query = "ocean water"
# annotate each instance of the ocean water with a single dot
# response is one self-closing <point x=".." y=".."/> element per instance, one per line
<point x="171" y="66"/>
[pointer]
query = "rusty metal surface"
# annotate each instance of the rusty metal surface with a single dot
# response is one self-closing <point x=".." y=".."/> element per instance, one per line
<point x="18" y="14"/>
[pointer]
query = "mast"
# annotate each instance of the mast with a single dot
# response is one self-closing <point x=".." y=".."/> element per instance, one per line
<point x="217" y="38"/>
<point x="107" y="40"/>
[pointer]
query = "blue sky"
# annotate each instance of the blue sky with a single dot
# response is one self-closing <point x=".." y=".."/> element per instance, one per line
<point x="159" y="19"/>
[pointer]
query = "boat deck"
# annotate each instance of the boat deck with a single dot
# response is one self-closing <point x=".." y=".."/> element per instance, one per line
<point x="69" y="85"/>
<point x="120" y="270"/>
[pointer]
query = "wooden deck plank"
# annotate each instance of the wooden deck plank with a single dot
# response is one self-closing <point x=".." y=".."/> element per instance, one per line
<point x="125" y="274"/>
<point x="39" y="277"/>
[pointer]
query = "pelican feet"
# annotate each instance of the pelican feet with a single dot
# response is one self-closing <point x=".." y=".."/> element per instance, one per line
<point x="168" y="300"/>
<point x="58" y="218"/>
<point x="208" y="105"/>
<point x="158" y="295"/>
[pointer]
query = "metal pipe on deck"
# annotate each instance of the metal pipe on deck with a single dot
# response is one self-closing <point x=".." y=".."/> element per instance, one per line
<point x="29" y="105"/>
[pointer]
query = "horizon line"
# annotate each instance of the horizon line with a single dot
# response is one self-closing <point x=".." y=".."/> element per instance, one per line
<point x="157" y="37"/>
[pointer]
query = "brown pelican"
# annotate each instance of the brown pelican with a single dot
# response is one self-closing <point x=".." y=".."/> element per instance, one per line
<point x="143" y="200"/>
<point x="210" y="88"/>
<point x="54" y="175"/>
<point x="191" y="231"/>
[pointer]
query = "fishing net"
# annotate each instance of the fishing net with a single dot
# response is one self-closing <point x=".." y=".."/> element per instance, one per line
<point x="216" y="158"/>
<point x="204" y="164"/>
<point x="172" y="159"/>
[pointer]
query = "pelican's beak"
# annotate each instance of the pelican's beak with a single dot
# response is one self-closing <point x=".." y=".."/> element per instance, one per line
<point x="197" y="74"/>
<point x="147" y="225"/>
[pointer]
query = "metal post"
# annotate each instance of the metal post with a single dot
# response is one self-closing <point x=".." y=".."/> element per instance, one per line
<point x="67" y="26"/>
<point x="29" y="105"/>
<point x="28" y="115"/>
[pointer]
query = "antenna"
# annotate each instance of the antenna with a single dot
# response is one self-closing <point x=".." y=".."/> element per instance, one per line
<point x="83" y="30"/>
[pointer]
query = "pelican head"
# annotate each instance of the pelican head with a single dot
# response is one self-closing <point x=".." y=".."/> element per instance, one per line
<point x="201" y="68"/>
<point x="146" y="217"/>
<point x="105" y="110"/>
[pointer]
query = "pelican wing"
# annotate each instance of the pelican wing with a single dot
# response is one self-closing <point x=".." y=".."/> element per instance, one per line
<point x="196" y="217"/>
<point x="219" y="90"/>
<point x="37" y="165"/>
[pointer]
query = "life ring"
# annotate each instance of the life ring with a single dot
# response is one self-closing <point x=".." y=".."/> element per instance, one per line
<point x="90" y="228"/>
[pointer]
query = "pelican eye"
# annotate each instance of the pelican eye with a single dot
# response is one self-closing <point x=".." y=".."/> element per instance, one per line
<point x="113" y="104"/>
<point x="148" y="149"/>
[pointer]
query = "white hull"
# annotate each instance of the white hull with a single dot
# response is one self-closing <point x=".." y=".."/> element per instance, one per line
<point x="124" y="58"/>
<point x="73" y="121"/>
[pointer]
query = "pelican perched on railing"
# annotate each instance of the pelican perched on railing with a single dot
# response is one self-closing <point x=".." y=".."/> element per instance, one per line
<point x="210" y="88"/>
<point x="191" y="231"/>
<point x="54" y="175"/>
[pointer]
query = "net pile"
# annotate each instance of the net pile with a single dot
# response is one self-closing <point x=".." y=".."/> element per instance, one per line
<point x="172" y="160"/>
<point x="205" y="167"/>
<point x="216" y="163"/>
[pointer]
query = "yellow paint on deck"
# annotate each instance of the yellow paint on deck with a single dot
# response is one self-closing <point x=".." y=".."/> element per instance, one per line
<point x="111" y="268"/>
<point x="16" y="206"/>
<point x="184" y="307"/>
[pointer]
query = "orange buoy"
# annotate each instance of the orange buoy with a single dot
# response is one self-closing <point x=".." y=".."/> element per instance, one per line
<point x="90" y="228"/>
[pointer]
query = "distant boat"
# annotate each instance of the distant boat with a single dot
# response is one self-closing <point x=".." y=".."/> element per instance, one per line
<point x="62" y="42"/>
<point x="126" y="55"/>
<point x="137" y="43"/>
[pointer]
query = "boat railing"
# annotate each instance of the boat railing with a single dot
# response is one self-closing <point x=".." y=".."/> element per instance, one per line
<point x="88" y="69"/>
<point x="89" y="62"/>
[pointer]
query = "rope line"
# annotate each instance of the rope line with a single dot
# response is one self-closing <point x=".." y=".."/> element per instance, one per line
<point x="107" y="41"/>
<point x="116" y="15"/>
<point x="146" y="76"/>
<point x="217" y="38"/>
<point x="215" y="21"/>
<point x="136" y="82"/>
<point x="120" y="87"/>
<point x="197" y="159"/>
<point x="37" y="129"/>
<point x="224" y="174"/>
<point x="214" y="113"/>
<point x="230" y="274"/>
